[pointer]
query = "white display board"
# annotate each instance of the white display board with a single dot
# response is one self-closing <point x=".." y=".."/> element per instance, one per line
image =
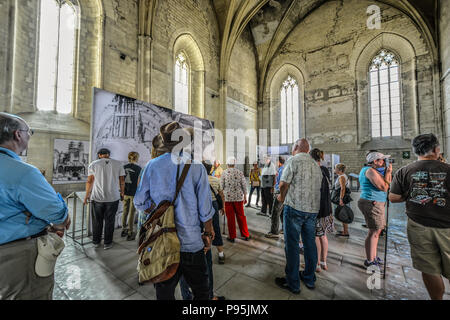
<point x="122" y="124"/>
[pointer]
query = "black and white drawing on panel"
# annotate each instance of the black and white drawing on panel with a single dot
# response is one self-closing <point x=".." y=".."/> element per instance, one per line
<point x="122" y="124"/>
<point x="70" y="161"/>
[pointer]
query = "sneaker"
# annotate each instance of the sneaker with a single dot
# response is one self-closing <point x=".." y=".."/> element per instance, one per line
<point x="222" y="259"/>
<point x="124" y="233"/>
<point x="379" y="260"/>
<point x="131" y="237"/>
<point x="282" y="283"/>
<point x="310" y="287"/>
<point x="272" y="235"/>
<point x="230" y="240"/>
<point x="368" y="263"/>
<point x="108" y="246"/>
<point x="96" y="245"/>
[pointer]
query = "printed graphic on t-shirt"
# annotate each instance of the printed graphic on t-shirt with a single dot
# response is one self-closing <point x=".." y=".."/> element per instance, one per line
<point x="128" y="171"/>
<point x="429" y="187"/>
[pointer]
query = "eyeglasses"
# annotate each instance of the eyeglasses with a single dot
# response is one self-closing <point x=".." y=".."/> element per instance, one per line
<point x="30" y="131"/>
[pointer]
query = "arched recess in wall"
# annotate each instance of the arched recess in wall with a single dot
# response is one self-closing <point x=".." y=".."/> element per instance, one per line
<point x="185" y="43"/>
<point x="406" y="54"/>
<point x="87" y="71"/>
<point x="274" y="95"/>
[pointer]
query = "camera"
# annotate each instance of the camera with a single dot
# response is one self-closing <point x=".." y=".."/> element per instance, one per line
<point x="389" y="161"/>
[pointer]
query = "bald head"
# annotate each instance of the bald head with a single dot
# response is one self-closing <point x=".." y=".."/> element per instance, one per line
<point x="301" y="146"/>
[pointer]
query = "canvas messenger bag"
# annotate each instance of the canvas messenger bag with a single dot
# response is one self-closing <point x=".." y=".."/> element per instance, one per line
<point x="159" y="246"/>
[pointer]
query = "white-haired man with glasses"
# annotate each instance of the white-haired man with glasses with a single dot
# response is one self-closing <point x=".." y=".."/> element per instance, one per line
<point x="29" y="206"/>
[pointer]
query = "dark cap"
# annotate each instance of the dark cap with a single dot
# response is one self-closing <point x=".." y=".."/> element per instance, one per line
<point x="103" y="151"/>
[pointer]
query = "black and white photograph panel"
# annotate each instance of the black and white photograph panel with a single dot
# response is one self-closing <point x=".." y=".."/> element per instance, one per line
<point x="122" y="125"/>
<point x="70" y="161"/>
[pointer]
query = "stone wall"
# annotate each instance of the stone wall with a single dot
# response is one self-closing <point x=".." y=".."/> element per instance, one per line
<point x="330" y="58"/>
<point x="444" y="30"/>
<point x="104" y="33"/>
<point x="173" y="19"/>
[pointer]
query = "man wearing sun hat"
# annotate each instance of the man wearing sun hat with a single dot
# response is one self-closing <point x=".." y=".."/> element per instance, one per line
<point x="374" y="187"/>
<point x="193" y="206"/>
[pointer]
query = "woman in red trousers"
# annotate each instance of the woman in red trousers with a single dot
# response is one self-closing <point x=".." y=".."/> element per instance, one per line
<point x="234" y="187"/>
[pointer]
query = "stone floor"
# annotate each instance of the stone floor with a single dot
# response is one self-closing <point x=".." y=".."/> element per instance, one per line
<point x="250" y="268"/>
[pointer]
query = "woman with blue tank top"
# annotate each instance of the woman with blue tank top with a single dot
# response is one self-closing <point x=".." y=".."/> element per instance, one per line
<point x="374" y="187"/>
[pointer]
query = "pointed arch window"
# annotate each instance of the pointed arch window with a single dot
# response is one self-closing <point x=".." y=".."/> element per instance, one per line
<point x="290" y="121"/>
<point x="385" y="95"/>
<point x="56" y="56"/>
<point x="181" y="84"/>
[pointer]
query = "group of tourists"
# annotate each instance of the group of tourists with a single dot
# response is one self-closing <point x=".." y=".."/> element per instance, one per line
<point x="296" y="193"/>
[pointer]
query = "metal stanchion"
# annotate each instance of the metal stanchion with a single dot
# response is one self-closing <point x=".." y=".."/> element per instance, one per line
<point x="78" y="234"/>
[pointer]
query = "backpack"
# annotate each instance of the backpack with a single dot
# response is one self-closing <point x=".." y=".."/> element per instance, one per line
<point x="159" y="246"/>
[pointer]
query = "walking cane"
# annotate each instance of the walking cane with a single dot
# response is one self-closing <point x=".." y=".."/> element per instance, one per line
<point x="386" y="240"/>
<point x="223" y="229"/>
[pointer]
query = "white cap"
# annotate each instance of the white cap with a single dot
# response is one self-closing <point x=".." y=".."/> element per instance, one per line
<point x="371" y="157"/>
<point x="231" y="161"/>
<point x="49" y="248"/>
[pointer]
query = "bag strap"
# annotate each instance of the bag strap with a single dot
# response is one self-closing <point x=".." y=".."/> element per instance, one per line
<point x="180" y="182"/>
<point x="212" y="189"/>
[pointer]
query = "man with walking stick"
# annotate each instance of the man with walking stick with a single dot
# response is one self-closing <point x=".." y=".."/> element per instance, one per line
<point x="425" y="186"/>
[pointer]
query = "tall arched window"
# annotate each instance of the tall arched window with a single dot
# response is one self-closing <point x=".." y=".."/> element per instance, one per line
<point x="385" y="95"/>
<point x="56" y="56"/>
<point x="290" y="121"/>
<point x="181" y="84"/>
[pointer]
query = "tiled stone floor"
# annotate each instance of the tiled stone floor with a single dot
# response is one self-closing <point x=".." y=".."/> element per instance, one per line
<point x="250" y="268"/>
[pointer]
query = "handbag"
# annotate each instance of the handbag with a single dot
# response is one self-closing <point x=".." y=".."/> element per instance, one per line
<point x="218" y="199"/>
<point x="336" y="196"/>
<point x="344" y="214"/>
<point x="159" y="246"/>
<point x="255" y="183"/>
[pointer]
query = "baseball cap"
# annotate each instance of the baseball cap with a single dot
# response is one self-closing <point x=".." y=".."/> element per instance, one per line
<point x="49" y="248"/>
<point x="103" y="151"/>
<point x="371" y="157"/>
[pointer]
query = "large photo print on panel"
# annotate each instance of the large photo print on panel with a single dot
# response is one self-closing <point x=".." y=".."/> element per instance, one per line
<point x="122" y="124"/>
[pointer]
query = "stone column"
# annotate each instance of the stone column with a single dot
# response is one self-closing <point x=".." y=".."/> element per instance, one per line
<point x="144" y="67"/>
<point x="444" y="29"/>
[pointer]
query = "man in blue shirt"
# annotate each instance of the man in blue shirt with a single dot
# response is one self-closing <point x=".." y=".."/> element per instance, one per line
<point x="193" y="207"/>
<point x="28" y="206"/>
<point x="277" y="207"/>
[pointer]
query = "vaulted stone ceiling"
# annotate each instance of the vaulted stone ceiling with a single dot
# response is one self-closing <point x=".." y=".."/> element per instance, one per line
<point x="271" y="21"/>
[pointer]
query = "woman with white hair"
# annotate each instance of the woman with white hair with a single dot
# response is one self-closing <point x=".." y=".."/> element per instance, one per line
<point x="234" y="187"/>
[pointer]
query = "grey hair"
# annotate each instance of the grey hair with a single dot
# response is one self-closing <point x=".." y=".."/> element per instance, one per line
<point x="9" y="123"/>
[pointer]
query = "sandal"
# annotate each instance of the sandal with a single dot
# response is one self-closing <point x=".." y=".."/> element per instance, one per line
<point x="341" y="234"/>
<point x="323" y="265"/>
<point x="318" y="268"/>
